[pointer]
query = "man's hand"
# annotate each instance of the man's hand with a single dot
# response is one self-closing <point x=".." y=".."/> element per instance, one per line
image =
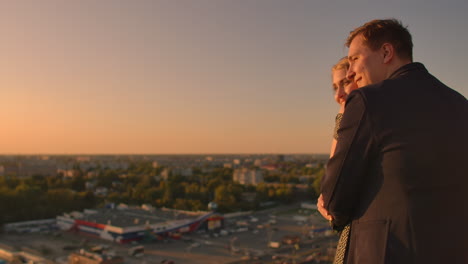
<point x="322" y="210"/>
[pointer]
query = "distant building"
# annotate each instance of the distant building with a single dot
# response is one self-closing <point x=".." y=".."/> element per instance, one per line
<point x="123" y="225"/>
<point x="101" y="191"/>
<point x="86" y="257"/>
<point x="29" y="168"/>
<point x="9" y="169"/>
<point x="280" y="158"/>
<point x="91" y="174"/>
<point x="165" y="174"/>
<point x="270" y="167"/>
<point x="71" y="173"/>
<point x="31" y="226"/>
<point x="207" y="170"/>
<point x="83" y="158"/>
<point x="258" y="162"/>
<point x="90" y="185"/>
<point x="179" y="171"/>
<point x="115" y="165"/>
<point x="247" y="177"/>
<point x="24" y="256"/>
<point x="37" y="167"/>
<point x="312" y="164"/>
<point x="185" y="172"/>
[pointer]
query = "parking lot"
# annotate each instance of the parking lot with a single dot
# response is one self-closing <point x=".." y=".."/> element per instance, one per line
<point x="282" y="233"/>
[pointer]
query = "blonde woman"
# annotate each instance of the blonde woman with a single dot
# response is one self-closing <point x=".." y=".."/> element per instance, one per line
<point x="342" y="86"/>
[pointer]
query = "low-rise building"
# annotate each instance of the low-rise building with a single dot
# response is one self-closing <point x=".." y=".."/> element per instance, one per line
<point x="247" y="177"/>
<point x="86" y="257"/>
<point x="11" y="255"/>
<point x="123" y="225"/>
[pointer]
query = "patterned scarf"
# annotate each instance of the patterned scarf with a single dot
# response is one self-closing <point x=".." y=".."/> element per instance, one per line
<point x="342" y="245"/>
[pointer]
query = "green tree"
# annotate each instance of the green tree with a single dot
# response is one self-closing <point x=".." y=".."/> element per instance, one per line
<point x="78" y="183"/>
<point x="262" y="192"/>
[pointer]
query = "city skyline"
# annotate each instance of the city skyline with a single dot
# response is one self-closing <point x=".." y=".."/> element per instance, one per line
<point x="193" y="77"/>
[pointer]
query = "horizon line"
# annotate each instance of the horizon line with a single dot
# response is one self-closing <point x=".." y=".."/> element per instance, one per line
<point x="154" y="154"/>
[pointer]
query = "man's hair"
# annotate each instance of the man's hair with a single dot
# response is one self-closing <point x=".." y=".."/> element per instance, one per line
<point x="343" y="63"/>
<point x="377" y="32"/>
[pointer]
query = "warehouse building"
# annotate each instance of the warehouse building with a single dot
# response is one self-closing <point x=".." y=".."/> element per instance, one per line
<point x="123" y="224"/>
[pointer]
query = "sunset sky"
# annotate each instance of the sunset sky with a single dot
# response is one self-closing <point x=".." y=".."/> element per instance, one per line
<point x="194" y="76"/>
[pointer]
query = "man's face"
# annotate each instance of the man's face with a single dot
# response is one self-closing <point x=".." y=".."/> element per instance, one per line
<point x="365" y="65"/>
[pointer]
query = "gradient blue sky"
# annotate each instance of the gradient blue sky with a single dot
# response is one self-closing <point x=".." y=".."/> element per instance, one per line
<point x="194" y="76"/>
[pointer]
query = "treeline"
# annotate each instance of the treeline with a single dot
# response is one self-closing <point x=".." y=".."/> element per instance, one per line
<point x="39" y="198"/>
<point x="194" y="192"/>
<point x="42" y="197"/>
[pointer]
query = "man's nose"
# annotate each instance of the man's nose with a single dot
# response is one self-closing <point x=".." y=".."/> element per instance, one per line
<point x="350" y="73"/>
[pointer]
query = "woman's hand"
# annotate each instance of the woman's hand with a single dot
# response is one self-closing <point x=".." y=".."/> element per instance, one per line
<point x="342" y="107"/>
<point x="322" y="210"/>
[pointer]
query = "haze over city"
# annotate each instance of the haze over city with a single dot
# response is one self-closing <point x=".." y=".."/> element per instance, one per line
<point x="207" y="76"/>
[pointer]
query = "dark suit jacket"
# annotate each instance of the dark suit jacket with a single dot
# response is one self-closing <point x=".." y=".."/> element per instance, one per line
<point x="400" y="171"/>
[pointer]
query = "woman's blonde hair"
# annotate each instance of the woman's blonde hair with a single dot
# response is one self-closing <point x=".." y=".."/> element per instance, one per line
<point x="341" y="64"/>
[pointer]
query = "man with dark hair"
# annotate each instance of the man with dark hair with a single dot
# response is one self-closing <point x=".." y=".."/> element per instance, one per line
<point x="378" y="32"/>
<point x="399" y="172"/>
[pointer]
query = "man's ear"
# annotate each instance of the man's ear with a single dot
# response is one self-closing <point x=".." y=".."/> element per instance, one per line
<point x="388" y="52"/>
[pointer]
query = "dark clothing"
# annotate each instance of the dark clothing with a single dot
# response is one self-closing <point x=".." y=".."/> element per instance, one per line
<point x="400" y="171"/>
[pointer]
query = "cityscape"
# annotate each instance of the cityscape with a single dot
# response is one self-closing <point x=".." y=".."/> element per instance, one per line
<point x="163" y="209"/>
<point x="183" y="132"/>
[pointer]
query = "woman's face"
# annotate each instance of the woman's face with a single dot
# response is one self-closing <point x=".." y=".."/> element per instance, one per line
<point x="342" y="86"/>
<point x="338" y="78"/>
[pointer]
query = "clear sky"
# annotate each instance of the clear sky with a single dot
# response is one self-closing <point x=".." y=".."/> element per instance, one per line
<point x="194" y="76"/>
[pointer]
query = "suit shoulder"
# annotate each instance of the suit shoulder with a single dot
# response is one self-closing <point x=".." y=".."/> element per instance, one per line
<point x="382" y="89"/>
<point x="369" y="90"/>
<point x="383" y="85"/>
